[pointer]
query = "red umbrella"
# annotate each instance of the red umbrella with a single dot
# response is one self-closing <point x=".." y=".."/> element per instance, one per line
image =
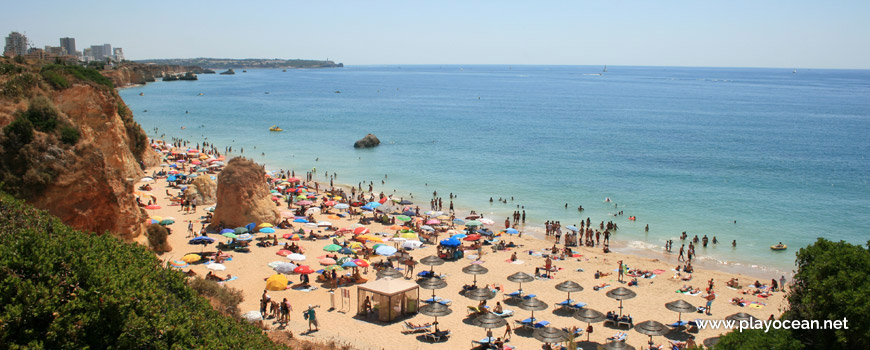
<point x="303" y="269"/>
<point x="329" y="203"/>
<point x="153" y="206"/>
<point x="292" y="179"/>
<point x="472" y="237"/>
<point x="360" y="230"/>
<point x="382" y="200"/>
<point x="284" y="252"/>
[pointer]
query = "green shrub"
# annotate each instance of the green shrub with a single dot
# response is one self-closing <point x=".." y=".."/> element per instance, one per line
<point x="42" y="114"/>
<point x="18" y="133"/>
<point x="137" y="141"/>
<point x="65" y="289"/>
<point x="56" y="80"/>
<point x="89" y="74"/>
<point x="69" y="135"/>
<point x="225" y="299"/>
<point x="20" y="84"/>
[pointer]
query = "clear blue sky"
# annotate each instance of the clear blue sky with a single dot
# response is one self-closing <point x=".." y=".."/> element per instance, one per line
<point x="735" y="33"/>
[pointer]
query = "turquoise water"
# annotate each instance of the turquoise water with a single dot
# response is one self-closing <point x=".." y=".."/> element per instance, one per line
<point x="682" y="149"/>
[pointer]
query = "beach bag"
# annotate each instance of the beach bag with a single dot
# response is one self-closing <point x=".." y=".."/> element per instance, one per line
<point x="305" y="314"/>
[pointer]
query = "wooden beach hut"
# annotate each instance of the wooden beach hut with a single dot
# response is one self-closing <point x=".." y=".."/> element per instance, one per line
<point x="390" y="298"/>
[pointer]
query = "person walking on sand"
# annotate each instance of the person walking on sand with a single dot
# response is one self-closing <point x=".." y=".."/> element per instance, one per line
<point x="621" y="271"/>
<point x="710" y="299"/>
<point x="682" y="250"/>
<point x="507" y="332"/>
<point x="311" y="316"/>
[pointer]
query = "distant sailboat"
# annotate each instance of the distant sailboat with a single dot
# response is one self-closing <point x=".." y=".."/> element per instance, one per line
<point x="605" y="69"/>
<point x="793" y="71"/>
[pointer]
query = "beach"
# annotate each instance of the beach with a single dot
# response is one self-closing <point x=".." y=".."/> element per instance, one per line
<point x="340" y="324"/>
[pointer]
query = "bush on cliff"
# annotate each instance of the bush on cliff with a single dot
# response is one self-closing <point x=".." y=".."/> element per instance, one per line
<point x="42" y="114"/>
<point x="136" y="138"/>
<point x="65" y="289"/>
<point x="157" y="238"/>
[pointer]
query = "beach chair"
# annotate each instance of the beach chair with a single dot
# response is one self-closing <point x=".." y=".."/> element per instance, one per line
<point x="485" y="342"/>
<point x="619" y="337"/>
<point x="579" y="305"/>
<point x="611" y="320"/>
<point x="432" y="300"/>
<point x="505" y="313"/>
<point x="445" y="302"/>
<point x="626" y="321"/>
<point x="564" y="304"/>
<point x="541" y="324"/>
<point x="409" y="328"/>
<point x="437" y="336"/>
<point x="515" y="296"/>
<point x="529" y="296"/>
<point x="529" y="322"/>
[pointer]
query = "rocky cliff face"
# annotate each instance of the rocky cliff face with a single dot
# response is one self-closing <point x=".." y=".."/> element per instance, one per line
<point x="84" y="154"/>
<point x="204" y="189"/>
<point x="368" y="141"/>
<point x="138" y="73"/>
<point x="243" y="195"/>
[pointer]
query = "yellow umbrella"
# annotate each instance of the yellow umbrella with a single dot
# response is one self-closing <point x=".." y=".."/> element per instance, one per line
<point x="277" y="282"/>
<point x="191" y="258"/>
<point x="336" y="197"/>
<point x="443" y="217"/>
<point x="157" y="218"/>
<point x="355" y="245"/>
<point x="264" y="225"/>
<point x="410" y="236"/>
<point x="334" y="217"/>
<point x="371" y="238"/>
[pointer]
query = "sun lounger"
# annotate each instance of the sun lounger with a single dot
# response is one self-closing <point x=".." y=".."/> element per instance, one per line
<point x="529" y="296"/>
<point x="437" y="336"/>
<point x="565" y="303"/>
<point x="529" y="322"/>
<point x="485" y="341"/>
<point x="579" y="305"/>
<point x="541" y="324"/>
<point x="625" y="321"/>
<point x="409" y="328"/>
<point x="620" y="336"/>
<point x="505" y="313"/>
<point x="432" y="300"/>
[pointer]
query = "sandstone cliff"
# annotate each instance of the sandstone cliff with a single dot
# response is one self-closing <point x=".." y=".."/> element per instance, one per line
<point x="204" y="189"/>
<point x="243" y="195"/>
<point x="138" y="73"/>
<point x="70" y="146"/>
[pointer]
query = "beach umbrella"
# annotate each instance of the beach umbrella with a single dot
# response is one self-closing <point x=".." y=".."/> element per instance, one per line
<point x="345" y="250"/>
<point x="621" y="293"/>
<point x="479" y="294"/>
<point x="332" y="248"/>
<point x="252" y="316"/>
<point x="472" y="237"/>
<point x="589" y="316"/>
<point x="342" y="260"/>
<point x="216" y="267"/>
<point x="204" y="240"/>
<point x="711" y="342"/>
<point x="569" y="286"/>
<point x="303" y="269"/>
<point x="191" y="258"/>
<point x="681" y="306"/>
<point x="458" y="222"/>
<point x="167" y="222"/>
<point x="403" y="218"/>
<point x="349" y="263"/>
<point x="436" y="310"/>
<point x="275" y="263"/>
<point x="178" y="264"/>
<point x="651" y="328"/>
<point x="741" y="316"/>
<point x="341" y="206"/>
<point x="618" y="345"/>
<point x="277" y="282"/>
<point x="432" y="283"/>
<point x="427" y="228"/>
<point x="240" y="230"/>
<point x="285" y="268"/>
<point x="362" y="262"/>
<point x="550" y="335"/>
<point x="485" y="221"/>
<point x="432" y="261"/>
<point x="146" y="179"/>
<point x="296" y="257"/>
<point x="473" y="223"/>
<point x="512" y="231"/>
<point x="267" y="230"/>
<point x="324" y="223"/>
<point x="245" y="237"/>
<point x="521" y="277"/>
<point x="292" y="236"/>
<point x="386" y="251"/>
<point x="389" y="272"/>
<point x="332" y="267"/>
<point x="227" y="230"/>
<point x="283" y="252"/>
<point x="533" y="304"/>
<point x="360" y="230"/>
<point x="405" y="202"/>
<point x="152" y="206"/>
<point x="475" y="269"/>
<point x="304" y="221"/>
<point x="310" y="225"/>
<point x="373" y="204"/>
<point x="452" y="242"/>
<point x="433" y="222"/>
<point x="489" y="321"/>
<point x="327" y="261"/>
<point x="409" y="235"/>
<point x="573" y="228"/>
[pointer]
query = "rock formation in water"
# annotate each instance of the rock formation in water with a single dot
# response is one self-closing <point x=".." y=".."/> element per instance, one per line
<point x="243" y="195"/>
<point x="70" y="146"/>
<point x="138" y="73"/>
<point x="368" y="141"/>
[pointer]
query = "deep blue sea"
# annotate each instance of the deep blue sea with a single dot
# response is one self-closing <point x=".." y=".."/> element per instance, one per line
<point x="683" y="149"/>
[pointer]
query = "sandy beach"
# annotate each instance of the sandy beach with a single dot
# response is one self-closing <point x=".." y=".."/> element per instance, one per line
<point x="342" y="325"/>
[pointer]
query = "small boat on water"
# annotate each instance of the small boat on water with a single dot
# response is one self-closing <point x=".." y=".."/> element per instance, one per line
<point x="275" y="128"/>
<point x="779" y="246"/>
<point x="141" y="94"/>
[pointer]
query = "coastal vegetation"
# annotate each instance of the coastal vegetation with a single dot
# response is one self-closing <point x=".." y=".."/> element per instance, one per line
<point x="831" y="283"/>
<point x="66" y="289"/>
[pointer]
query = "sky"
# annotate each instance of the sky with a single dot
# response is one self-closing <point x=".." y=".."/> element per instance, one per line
<point x="712" y="33"/>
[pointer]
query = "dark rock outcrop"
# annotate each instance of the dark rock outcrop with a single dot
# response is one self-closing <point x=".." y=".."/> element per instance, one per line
<point x="368" y="141"/>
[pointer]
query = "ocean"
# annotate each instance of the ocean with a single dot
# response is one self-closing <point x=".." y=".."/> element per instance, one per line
<point x="755" y="155"/>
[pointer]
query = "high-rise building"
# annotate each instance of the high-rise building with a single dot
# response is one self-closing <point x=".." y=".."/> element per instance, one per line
<point x="16" y="44"/>
<point x="69" y="45"/>
<point x="54" y="50"/>
<point x="118" y="53"/>
<point x="88" y="54"/>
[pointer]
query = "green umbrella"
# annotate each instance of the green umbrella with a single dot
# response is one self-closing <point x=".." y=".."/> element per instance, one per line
<point x="229" y="235"/>
<point x="375" y="247"/>
<point x="167" y="222"/>
<point x="473" y="223"/>
<point x="403" y="218"/>
<point x="332" y="248"/>
<point x="333" y="267"/>
<point x="240" y="230"/>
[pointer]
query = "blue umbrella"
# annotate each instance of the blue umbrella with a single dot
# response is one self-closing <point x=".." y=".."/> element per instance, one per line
<point x="405" y="202"/>
<point x="512" y="231"/>
<point x="386" y="250"/>
<point x="452" y="242"/>
<point x="373" y="204"/>
<point x="459" y="236"/>
<point x="341" y="206"/>
<point x="458" y="222"/>
<point x="345" y="250"/>
<point x="367" y="208"/>
<point x="245" y="237"/>
<point x="349" y="263"/>
<point x="173" y="165"/>
<point x="250" y="227"/>
<point x="227" y="230"/>
<point x="573" y="228"/>
<point x="201" y="240"/>
<point x="267" y="230"/>
<point x="171" y="178"/>
<point x="409" y="213"/>
<point x="301" y="220"/>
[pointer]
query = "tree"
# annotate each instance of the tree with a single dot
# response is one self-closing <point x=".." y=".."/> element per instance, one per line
<point x="757" y="339"/>
<point x="832" y="283"/>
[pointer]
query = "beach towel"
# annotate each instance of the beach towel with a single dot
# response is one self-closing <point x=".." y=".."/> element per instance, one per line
<point x="230" y="279"/>
<point x="303" y="289"/>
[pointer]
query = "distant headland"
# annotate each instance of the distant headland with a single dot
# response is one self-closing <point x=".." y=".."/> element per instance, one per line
<point x="225" y="63"/>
